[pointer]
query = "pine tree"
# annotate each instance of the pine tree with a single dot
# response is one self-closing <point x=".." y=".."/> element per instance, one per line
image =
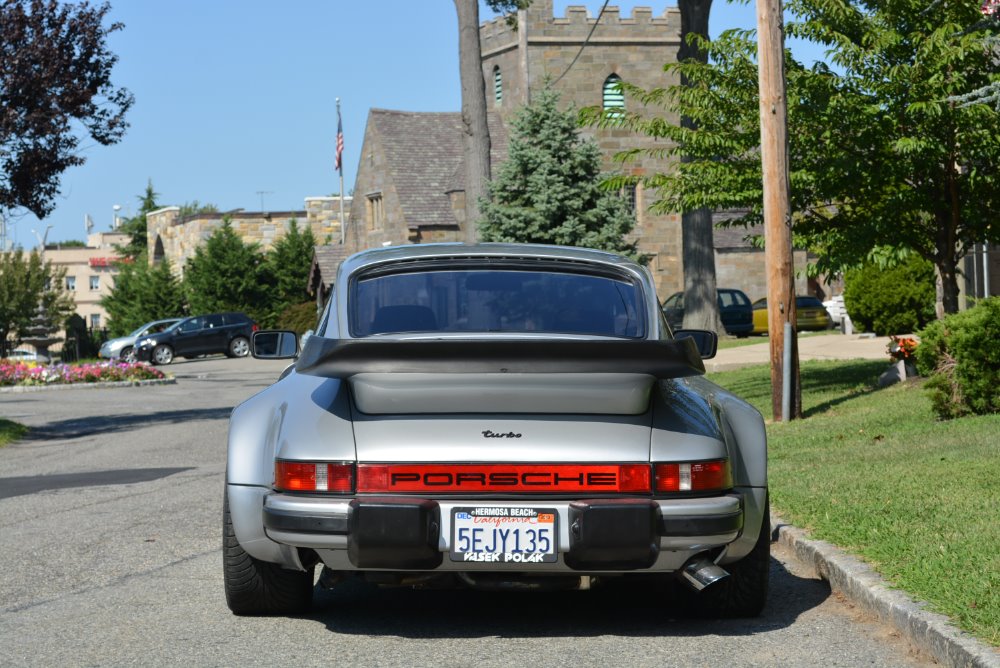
<point x="135" y="227"/>
<point x="548" y="191"/>
<point x="286" y="270"/>
<point x="140" y="294"/>
<point x="27" y="283"/>
<point x="224" y="275"/>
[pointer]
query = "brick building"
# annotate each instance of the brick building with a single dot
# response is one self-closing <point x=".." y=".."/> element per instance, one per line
<point x="90" y="273"/>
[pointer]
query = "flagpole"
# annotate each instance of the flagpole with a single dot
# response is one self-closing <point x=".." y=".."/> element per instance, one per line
<point x="343" y="223"/>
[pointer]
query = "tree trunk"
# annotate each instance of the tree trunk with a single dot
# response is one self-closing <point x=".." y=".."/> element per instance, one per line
<point x="946" y="287"/>
<point x="476" y="134"/>
<point x="701" y="308"/>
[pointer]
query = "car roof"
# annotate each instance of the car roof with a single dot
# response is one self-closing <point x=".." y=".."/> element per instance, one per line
<point x="415" y="252"/>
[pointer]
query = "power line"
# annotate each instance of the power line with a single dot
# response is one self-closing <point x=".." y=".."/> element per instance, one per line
<point x="585" y="42"/>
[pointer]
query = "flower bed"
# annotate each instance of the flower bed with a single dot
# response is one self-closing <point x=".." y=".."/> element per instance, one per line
<point x="31" y="373"/>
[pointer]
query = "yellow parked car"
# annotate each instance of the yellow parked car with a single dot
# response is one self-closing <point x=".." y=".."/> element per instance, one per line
<point x="810" y="314"/>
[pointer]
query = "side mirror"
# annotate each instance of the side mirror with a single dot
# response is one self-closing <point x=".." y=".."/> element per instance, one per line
<point x="275" y="345"/>
<point x="705" y="340"/>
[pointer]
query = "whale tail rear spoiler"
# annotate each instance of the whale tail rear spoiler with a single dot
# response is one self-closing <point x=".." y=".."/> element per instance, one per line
<point x="345" y="358"/>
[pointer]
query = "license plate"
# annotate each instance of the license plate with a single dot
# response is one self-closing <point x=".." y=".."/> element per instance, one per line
<point x="503" y="535"/>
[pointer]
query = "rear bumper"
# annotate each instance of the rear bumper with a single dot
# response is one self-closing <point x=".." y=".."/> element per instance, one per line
<point x="406" y="533"/>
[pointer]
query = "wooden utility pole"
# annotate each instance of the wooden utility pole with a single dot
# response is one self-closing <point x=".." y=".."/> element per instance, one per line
<point x="777" y="215"/>
<point x="476" y="131"/>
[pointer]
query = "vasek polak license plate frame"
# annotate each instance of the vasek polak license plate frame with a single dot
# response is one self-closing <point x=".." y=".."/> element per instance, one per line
<point x="504" y="535"/>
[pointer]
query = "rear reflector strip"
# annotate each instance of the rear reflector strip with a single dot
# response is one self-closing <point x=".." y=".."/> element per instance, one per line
<point x="533" y="478"/>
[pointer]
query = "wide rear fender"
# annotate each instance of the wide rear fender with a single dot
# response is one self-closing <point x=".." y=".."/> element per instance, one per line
<point x="299" y="417"/>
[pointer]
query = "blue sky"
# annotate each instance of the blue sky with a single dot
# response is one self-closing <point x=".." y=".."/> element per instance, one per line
<point x="235" y="99"/>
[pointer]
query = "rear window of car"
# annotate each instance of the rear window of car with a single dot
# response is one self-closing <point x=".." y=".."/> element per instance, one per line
<point x="496" y="300"/>
<point x="236" y="318"/>
<point x="811" y="302"/>
<point x="733" y="298"/>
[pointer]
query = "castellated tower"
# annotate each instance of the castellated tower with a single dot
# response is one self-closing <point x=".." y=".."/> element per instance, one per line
<point x="631" y="48"/>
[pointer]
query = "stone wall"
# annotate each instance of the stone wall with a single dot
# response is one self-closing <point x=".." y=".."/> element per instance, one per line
<point x="175" y="239"/>
<point x="744" y="270"/>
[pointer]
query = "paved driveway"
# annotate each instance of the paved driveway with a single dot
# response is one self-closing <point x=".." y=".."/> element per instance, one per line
<point x="110" y="546"/>
<point x="826" y="346"/>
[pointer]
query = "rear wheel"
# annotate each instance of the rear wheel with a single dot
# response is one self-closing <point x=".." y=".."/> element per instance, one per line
<point x="239" y="347"/>
<point x="255" y="587"/>
<point x="163" y="354"/>
<point x="744" y="592"/>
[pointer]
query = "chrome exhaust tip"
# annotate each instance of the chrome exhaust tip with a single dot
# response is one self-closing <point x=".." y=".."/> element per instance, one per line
<point x="700" y="573"/>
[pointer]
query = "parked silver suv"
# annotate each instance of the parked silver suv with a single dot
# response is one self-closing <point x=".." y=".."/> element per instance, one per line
<point x="123" y="347"/>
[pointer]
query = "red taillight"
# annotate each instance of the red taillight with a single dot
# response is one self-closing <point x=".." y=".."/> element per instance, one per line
<point x="693" y="476"/>
<point x="313" y="477"/>
<point x="532" y="478"/>
<point x="255" y="327"/>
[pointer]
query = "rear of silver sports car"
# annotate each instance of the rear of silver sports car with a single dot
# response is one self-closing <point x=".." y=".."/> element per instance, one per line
<point x="448" y="443"/>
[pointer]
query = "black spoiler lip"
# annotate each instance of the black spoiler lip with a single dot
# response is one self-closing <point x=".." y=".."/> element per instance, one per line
<point x="343" y="358"/>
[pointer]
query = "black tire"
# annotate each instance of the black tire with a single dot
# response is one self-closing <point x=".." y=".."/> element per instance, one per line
<point x="127" y="354"/>
<point x="255" y="587"/>
<point x="239" y="347"/>
<point x="744" y="592"/>
<point x="162" y="354"/>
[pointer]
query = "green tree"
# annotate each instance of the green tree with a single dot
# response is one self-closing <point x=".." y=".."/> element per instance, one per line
<point x="142" y="293"/>
<point x="882" y="165"/>
<point x="135" y="227"/>
<point x="27" y="283"/>
<point x="55" y="91"/>
<point x="548" y="191"/>
<point x="224" y="274"/>
<point x="286" y="271"/>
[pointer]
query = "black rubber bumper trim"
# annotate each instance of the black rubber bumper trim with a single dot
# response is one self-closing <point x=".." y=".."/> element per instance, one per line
<point x="700" y="525"/>
<point x="281" y="520"/>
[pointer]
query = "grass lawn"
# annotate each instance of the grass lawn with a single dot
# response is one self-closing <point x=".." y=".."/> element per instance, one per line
<point x="874" y="472"/>
<point x="10" y="431"/>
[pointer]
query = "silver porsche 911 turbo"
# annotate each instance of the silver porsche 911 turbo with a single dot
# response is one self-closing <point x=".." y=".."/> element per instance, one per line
<point x="494" y="415"/>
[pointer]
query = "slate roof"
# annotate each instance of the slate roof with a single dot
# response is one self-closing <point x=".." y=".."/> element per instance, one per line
<point x="325" y="261"/>
<point x="424" y="159"/>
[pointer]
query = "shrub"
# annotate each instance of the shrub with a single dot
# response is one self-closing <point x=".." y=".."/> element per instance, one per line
<point x="298" y="318"/>
<point x="899" y="300"/>
<point x="961" y="356"/>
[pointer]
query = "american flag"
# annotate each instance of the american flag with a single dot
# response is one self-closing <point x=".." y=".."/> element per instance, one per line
<point x="339" y="165"/>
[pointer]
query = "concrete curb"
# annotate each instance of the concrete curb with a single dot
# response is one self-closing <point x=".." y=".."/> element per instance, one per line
<point x="18" y="389"/>
<point x="929" y="631"/>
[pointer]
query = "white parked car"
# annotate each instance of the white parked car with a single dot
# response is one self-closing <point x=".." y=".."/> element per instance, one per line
<point x="20" y="355"/>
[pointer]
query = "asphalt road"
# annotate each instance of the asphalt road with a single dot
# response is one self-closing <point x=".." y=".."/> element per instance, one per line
<point x="110" y="546"/>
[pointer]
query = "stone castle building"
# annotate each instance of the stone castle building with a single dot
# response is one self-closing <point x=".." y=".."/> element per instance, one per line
<point x="409" y="186"/>
<point x="175" y="238"/>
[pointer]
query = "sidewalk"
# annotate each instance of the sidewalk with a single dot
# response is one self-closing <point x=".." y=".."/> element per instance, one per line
<point x="815" y="347"/>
